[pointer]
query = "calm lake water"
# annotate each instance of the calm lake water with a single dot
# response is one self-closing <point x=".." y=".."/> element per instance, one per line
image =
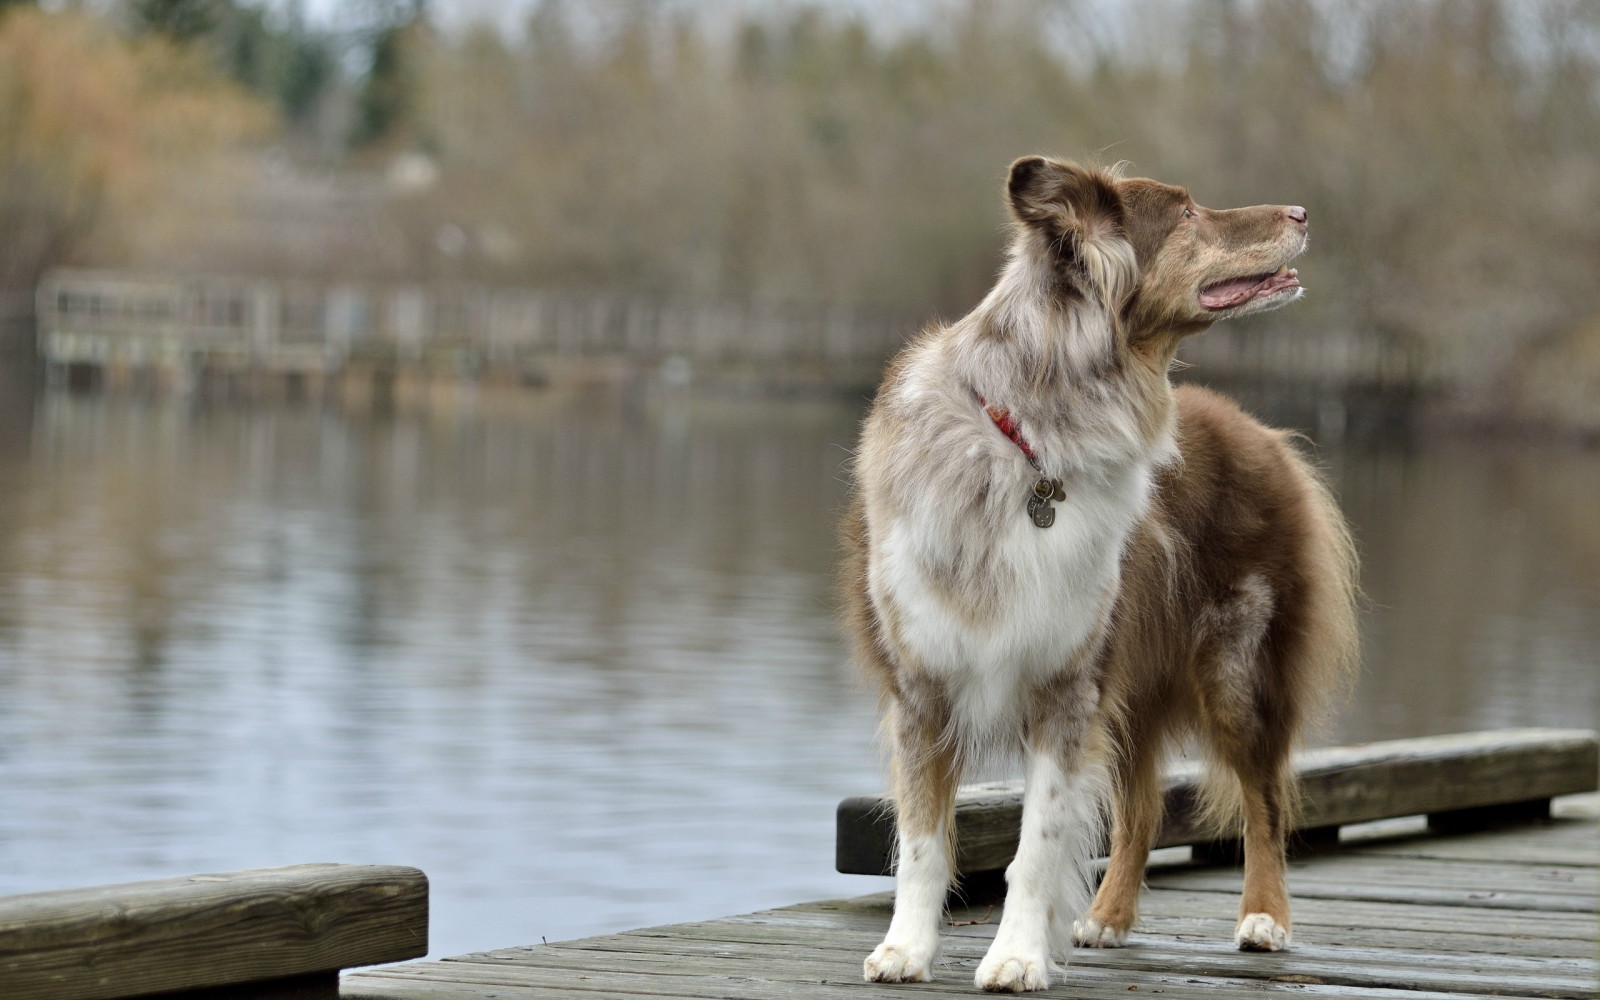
<point x="575" y="659"/>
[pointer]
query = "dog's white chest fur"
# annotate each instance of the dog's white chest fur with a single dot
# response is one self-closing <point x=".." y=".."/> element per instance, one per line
<point x="1039" y="596"/>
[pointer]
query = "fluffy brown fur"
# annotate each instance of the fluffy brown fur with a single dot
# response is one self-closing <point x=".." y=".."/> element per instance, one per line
<point x="1225" y="612"/>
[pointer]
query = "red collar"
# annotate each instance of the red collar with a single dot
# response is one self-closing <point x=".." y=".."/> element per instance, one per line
<point x="1010" y="428"/>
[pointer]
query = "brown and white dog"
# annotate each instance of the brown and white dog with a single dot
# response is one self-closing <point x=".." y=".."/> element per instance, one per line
<point x="1053" y="552"/>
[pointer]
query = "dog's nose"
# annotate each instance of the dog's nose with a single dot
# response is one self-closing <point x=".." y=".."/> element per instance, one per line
<point x="1296" y="214"/>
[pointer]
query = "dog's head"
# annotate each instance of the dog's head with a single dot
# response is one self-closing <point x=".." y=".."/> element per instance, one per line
<point x="1145" y="249"/>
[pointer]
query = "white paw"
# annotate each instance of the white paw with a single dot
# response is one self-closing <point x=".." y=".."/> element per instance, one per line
<point x="1259" y="932"/>
<point x="899" y="963"/>
<point x="1091" y="933"/>
<point x="1008" y="973"/>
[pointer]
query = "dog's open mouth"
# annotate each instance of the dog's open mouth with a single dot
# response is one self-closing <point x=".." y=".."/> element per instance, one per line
<point x="1238" y="291"/>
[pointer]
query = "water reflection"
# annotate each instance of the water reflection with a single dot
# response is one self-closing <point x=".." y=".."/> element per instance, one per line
<point x="575" y="658"/>
<point x="578" y="665"/>
<point x="1483" y="566"/>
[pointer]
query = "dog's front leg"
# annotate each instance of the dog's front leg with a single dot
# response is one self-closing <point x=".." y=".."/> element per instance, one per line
<point x="1046" y="885"/>
<point x="925" y="775"/>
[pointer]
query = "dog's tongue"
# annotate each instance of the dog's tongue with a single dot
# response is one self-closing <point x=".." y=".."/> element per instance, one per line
<point x="1228" y="293"/>
<point x="1234" y="291"/>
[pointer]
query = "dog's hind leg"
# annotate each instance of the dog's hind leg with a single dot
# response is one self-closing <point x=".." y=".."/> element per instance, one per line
<point x="1251" y="715"/>
<point x="1138" y="811"/>
<point x="1046" y="881"/>
<point x="1264" y="905"/>
<point x="926" y="769"/>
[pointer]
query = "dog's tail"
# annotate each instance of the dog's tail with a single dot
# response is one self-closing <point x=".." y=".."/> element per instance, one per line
<point x="1314" y="659"/>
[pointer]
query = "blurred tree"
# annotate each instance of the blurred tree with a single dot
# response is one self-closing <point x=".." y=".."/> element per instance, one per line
<point x="799" y="151"/>
<point x="273" y="51"/>
<point x="1445" y="149"/>
<point x="286" y="61"/>
<point x="386" y="107"/>
<point x="183" y="20"/>
<point x="310" y="69"/>
<point x="99" y="134"/>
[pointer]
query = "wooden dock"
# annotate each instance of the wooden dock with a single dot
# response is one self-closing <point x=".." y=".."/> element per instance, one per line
<point x="1394" y="911"/>
<point x="264" y="934"/>
<point x="1490" y="891"/>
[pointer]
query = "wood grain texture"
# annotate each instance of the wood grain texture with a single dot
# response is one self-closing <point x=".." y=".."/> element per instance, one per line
<point x="206" y="931"/>
<point x="840" y="981"/>
<point x="1460" y="780"/>
<point x="1353" y="965"/>
<point x="1394" y="920"/>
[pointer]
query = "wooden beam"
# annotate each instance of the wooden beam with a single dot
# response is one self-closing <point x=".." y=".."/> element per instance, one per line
<point x="271" y="932"/>
<point x="1459" y="781"/>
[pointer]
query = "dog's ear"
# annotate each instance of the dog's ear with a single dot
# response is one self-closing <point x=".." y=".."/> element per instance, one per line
<point x="1062" y="197"/>
<point x="1079" y="214"/>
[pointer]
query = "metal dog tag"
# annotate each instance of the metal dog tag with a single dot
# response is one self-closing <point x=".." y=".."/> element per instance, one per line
<point x="1040" y="510"/>
<point x="1044" y="491"/>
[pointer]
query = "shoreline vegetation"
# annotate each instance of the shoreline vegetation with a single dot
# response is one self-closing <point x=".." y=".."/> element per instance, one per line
<point x="794" y="153"/>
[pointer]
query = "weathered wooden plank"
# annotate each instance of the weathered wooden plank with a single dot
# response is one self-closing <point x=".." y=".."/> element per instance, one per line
<point x="365" y="987"/>
<point x="1497" y="865"/>
<point x="1214" y="931"/>
<point x="1205" y="918"/>
<point x="1486" y="946"/>
<point x="1310" y="912"/>
<point x="836" y="952"/>
<point x="1350" y="965"/>
<point x="1214" y="927"/>
<point x="1575" y="854"/>
<point x="1364" y="969"/>
<point x="1394" y="871"/>
<point x="1571" y="911"/>
<point x="397" y="989"/>
<point x="206" y="931"/>
<point x="1420" y="937"/>
<point x="375" y="987"/>
<point x="1376" y="891"/>
<point x="1435" y="923"/>
<point x="1560" y="884"/>
<point x="414" y="980"/>
<point x="1211" y="927"/>
<point x="1452" y="778"/>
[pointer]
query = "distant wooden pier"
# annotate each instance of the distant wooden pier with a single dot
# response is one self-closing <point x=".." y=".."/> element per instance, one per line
<point x="179" y="332"/>
<point x="276" y="335"/>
